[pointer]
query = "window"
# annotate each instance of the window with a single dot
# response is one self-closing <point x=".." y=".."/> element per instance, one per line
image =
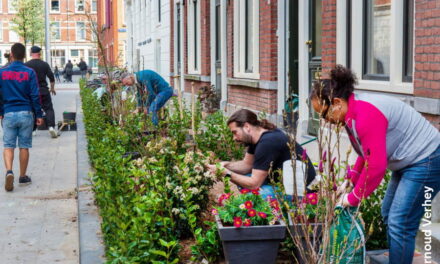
<point x="55" y="6"/>
<point x="159" y="9"/>
<point x="1" y="58"/>
<point x="178" y="38"/>
<point x="80" y="31"/>
<point x="74" y="53"/>
<point x="11" y="7"/>
<point x="13" y="36"/>
<point x="1" y="30"/>
<point x="59" y="58"/>
<point x="377" y="38"/>
<point x="94" y="6"/>
<point x="55" y="29"/>
<point x="1" y="6"/>
<point x="93" y="58"/>
<point x="246" y="39"/>
<point x="79" y="6"/>
<point x="408" y="38"/>
<point x="194" y="50"/>
<point x="157" y="57"/>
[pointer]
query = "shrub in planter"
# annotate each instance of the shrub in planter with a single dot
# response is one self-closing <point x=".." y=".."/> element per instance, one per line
<point x="250" y="227"/>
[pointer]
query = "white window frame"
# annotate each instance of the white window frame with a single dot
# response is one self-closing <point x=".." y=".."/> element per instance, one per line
<point x="1" y="30"/>
<point x="158" y="56"/>
<point x="13" y="33"/>
<point x="59" y="7"/>
<point x="83" y="4"/>
<point x="59" y="29"/>
<point x="1" y="6"/>
<point x="395" y="84"/>
<point x="192" y="68"/>
<point x="239" y="40"/>
<point x="91" y="7"/>
<point x="11" y="9"/>
<point x="77" y="31"/>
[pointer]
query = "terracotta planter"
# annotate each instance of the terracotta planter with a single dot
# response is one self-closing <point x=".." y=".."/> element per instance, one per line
<point x="251" y="245"/>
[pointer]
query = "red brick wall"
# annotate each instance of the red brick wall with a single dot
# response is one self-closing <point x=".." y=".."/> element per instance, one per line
<point x="427" y="52"/>
<point x="253" y="98"/>
<point x="230" y="34"/>
<point x="268" y="40"/>
<point x="427" y="49"/>
<point x="328" y="36"/>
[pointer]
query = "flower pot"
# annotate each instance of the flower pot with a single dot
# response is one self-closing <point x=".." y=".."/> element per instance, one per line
<point x="298" y="231"/>
<point x="69" y="116"/>
<point x="253" y="244"/>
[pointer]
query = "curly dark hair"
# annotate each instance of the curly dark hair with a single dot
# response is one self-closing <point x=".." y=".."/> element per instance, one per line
<point x="340" y="85"/>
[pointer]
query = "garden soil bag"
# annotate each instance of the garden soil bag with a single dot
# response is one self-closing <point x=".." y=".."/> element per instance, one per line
<point x="347" y="240"/>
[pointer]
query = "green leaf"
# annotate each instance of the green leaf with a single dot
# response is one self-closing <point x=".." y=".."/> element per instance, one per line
<point x="159" y="252"/>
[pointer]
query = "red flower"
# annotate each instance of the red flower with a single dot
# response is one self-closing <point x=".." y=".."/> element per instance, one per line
<point x="251" y="212"/>
<point x="237" y="222"/>
<point x="304" y="155"/>
<point x="274" y="204"/>
<point x="214" y="211"/>
<point x="262" y="215"/>
<point x="227" y="195"/>
<point x="248" y="204"/>
<point x="245" y="191"/>
<point x="223" y="197"/>
<point x="247" y="222"/>
<point x="255" y="191"/>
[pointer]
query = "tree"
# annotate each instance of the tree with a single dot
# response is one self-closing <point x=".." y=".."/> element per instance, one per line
<point x="28" y="22"/>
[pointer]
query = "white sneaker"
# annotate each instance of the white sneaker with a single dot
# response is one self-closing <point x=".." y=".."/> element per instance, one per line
<point x="52" y="132"/>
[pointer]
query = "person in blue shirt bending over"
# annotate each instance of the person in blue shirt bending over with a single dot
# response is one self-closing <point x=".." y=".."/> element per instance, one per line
<point x="152" y="91"/>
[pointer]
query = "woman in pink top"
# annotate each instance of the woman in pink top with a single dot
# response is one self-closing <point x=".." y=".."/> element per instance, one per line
<point x="385" y="133"/>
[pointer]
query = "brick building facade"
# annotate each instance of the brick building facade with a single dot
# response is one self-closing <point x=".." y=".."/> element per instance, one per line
<point x="70" y="35"/>
<point x="260" y="53"/>
<point x="111" y="24"/>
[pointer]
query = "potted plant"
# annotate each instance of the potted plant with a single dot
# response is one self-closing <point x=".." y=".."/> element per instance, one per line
<point x="250" y="227"/>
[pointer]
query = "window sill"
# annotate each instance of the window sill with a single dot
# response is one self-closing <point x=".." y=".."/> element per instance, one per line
<point x="197" y="77"/>
<point x="384" y="86"/>
<point x="258" y="84"/>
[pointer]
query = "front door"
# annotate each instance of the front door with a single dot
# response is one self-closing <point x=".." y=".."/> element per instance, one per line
<point x="315" y="48"/>
<point x="218" y="64"/>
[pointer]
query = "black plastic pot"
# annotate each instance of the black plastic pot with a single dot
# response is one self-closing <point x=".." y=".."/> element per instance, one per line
<point x="251" y="245"/>
<point x="298" y="230"/>
<point x="69" y="117"/>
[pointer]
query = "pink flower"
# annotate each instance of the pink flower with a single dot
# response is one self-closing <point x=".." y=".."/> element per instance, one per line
<point x="348" y="175"/>
<point x="247" y="222"/>
<point x="223" y="197"/>
<point x="262" y="215"/>
<point x="251" y="212"/>
<point x="324" y="156"/>
<point x="311" y="198"/>
<point x="255" y="191"/>
<point x="245" y="191"/>
<point x="321" y="167"/>
<point x="332" y="166"/>
<point x="214" y="211"/>
<point x="248" y="204"/>
<point x="274" y="204"/>
<point x="304" y="155"/>
<point x="237" y="222"/>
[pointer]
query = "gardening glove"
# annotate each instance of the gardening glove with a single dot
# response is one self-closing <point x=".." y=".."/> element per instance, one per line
<point x="344" y="188"/>
<point x="343" y="201"/>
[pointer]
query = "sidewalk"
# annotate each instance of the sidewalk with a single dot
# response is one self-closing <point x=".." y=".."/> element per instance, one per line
<point x="38" y="223"/>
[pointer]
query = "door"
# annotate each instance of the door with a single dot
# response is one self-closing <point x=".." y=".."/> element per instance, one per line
<point x="291" y="105"/>
<point x="315" y="48"/>
<point x="218" y="48"/>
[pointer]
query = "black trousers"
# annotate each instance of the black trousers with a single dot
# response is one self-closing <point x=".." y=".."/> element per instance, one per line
<point x="46" y="104"/>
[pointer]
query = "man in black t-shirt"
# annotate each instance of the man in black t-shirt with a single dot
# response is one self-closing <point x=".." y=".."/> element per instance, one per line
<point x="267" y="151"/>
<point x="43" y="71"/>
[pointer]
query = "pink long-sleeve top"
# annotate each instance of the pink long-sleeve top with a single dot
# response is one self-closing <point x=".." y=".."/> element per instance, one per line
<point x="386" y="133"/>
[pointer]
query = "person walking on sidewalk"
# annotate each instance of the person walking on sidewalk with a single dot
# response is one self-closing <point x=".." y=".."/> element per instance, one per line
<point x="385" y="133"/>
<point x="56" y="72"/>
<point x="82" y="65"/>
<point x="21" y="104"/>
<point x="68" y="71"/>
<point x="43" y="70"/>
<point x="149" y="83"/>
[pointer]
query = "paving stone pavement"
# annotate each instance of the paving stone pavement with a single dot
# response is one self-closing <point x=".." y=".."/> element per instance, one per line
<point x="38" y="223"/>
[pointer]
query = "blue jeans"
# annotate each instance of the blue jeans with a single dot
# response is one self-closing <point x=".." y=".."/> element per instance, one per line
<point x="402" y="207"/>
<point x="265" y="189"/>
<point x="18" y="125"/>
<point x="159" y="102"/>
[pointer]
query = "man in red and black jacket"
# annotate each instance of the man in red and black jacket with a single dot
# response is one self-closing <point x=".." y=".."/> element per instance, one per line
<point x="21" y="105"/>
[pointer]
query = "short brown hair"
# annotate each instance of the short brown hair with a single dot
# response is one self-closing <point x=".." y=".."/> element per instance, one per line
<point x="246" y="116"/>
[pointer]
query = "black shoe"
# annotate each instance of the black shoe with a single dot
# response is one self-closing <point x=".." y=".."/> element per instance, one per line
<point x="9" y="181"/>
<point x="25" y="180"/>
